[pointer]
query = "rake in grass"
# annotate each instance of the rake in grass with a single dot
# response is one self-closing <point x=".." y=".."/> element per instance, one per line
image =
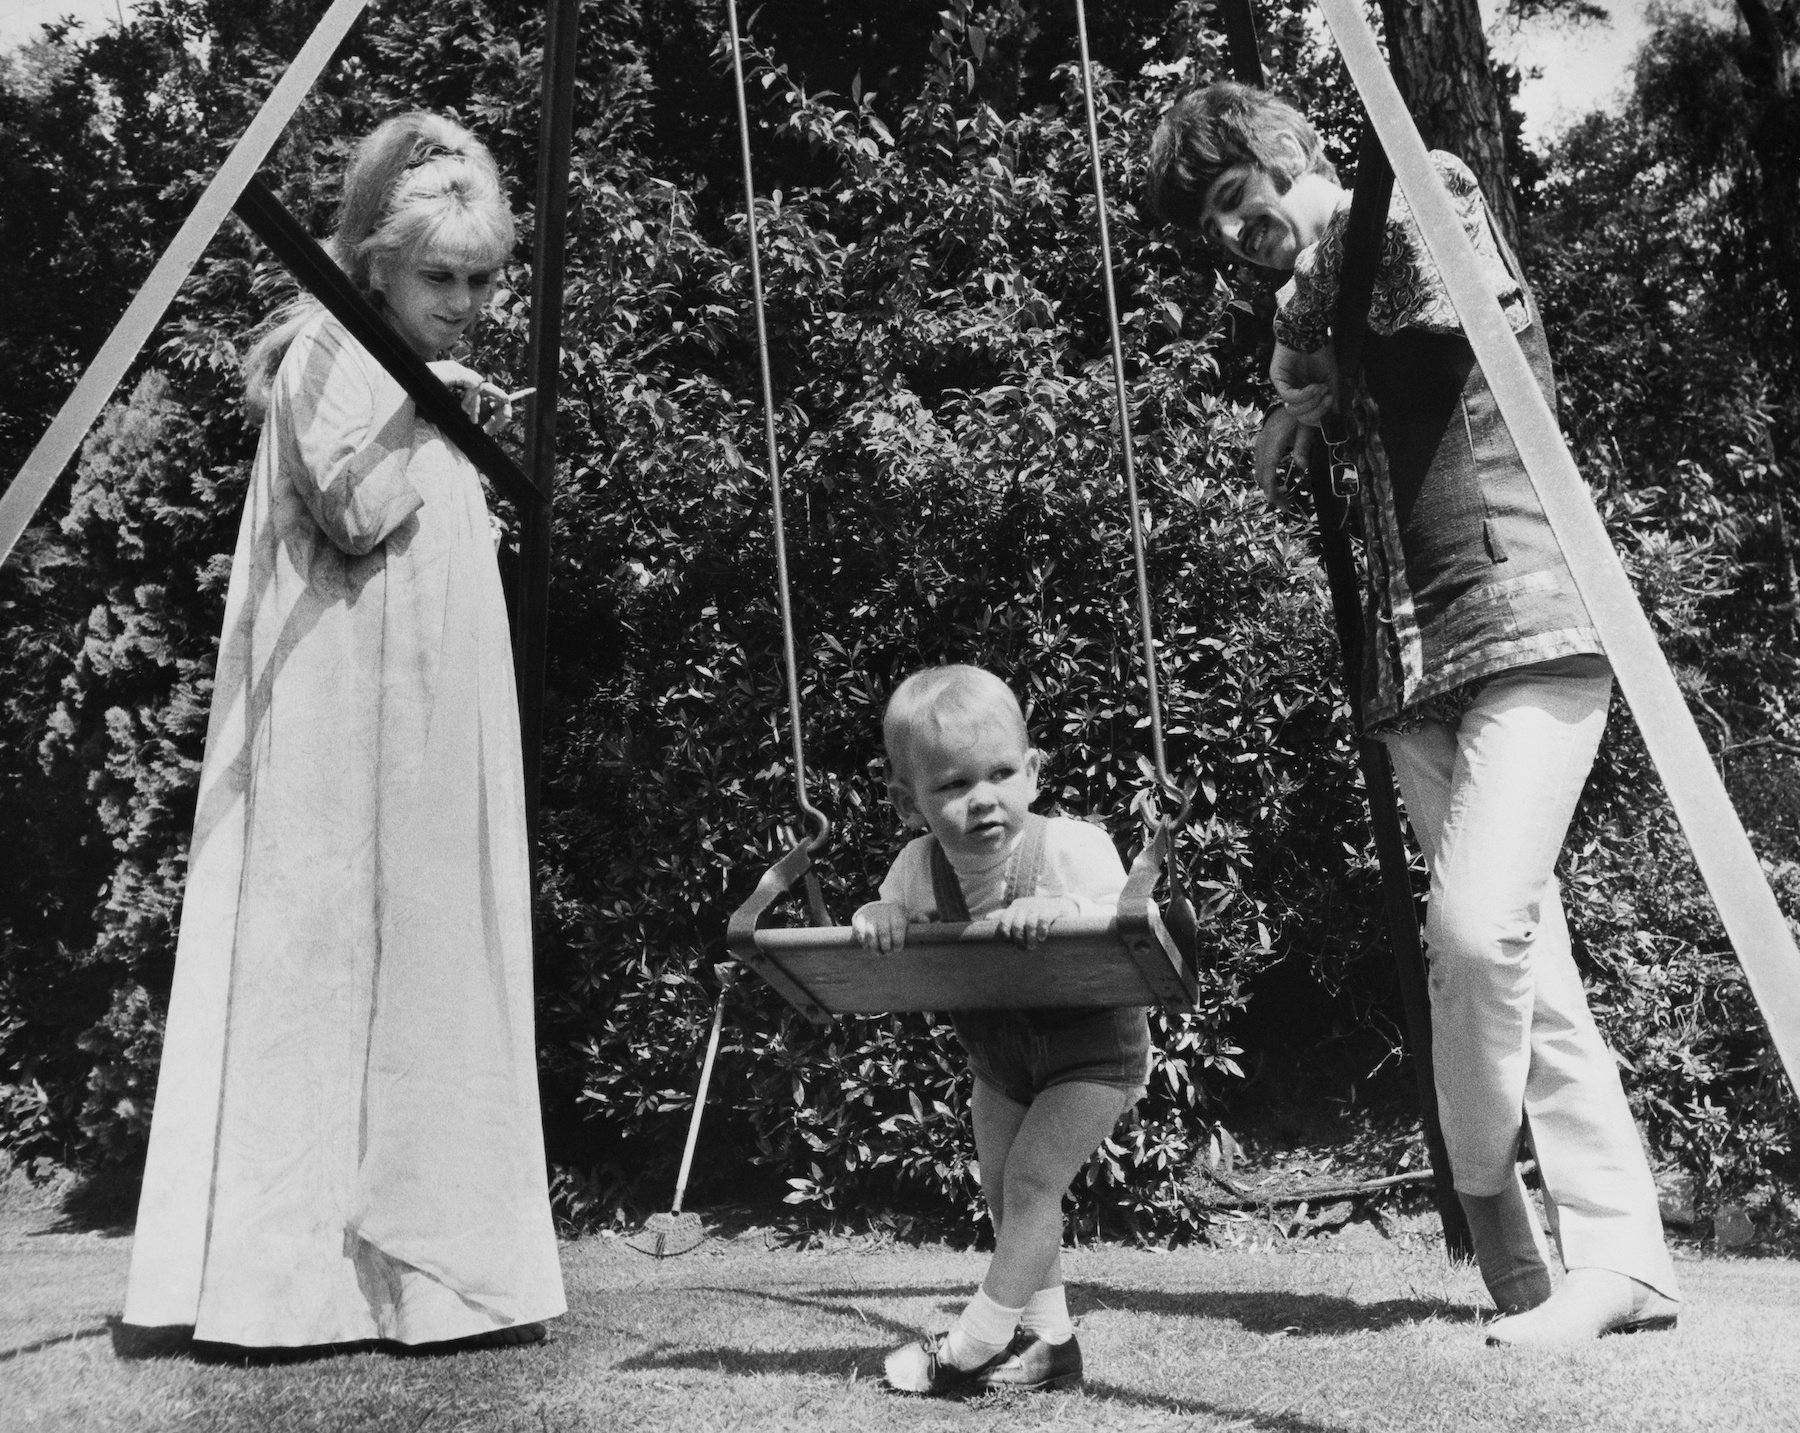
<point x="666" y="1235"/>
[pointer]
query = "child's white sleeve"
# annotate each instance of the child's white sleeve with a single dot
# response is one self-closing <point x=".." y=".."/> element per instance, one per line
<point x="1084" y="865"/>
<point x="908" y="881"/>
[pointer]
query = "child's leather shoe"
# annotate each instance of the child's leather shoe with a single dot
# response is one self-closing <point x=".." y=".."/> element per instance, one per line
<point x="919" y="1368"/>
<point x="1029" y="1363"/>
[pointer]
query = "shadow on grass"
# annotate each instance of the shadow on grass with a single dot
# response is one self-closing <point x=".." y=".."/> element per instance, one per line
<point x="104" y="1203"/>
<point x="847" y="1303"/>
<point x="842" y="1364"/>
<point x="136" y="1343"/>
<point x="833" y="1363"/>
<point x="7" y="1355"/>
<point x="1229" y="1415"/>
<point x="1272" y="1312"/>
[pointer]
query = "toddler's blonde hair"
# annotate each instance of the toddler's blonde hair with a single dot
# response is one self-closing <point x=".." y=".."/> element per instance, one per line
<point x="942" y="699"/>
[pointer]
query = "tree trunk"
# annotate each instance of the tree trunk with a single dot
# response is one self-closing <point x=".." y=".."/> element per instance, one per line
<point x="1440" y="60"/>
<point x="1774" y="141"/>
<point x="1773" y="138"/>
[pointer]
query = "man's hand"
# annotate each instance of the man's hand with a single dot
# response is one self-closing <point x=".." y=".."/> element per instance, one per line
<point x="1305" y="382"/>
<point x="1282" y="434"/>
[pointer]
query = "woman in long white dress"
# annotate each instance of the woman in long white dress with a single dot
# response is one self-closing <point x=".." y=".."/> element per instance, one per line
<point x="346" y="1141"/>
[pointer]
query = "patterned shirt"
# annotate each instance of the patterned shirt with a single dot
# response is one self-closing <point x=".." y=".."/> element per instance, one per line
<point x="1409" y="291"/>
<point x="1400" y="690"/>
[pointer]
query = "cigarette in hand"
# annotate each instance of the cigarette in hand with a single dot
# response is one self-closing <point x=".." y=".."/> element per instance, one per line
<point x="515" y="397"/>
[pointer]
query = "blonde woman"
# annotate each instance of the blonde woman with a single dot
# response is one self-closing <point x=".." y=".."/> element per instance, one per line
<point x="346" y="1142"/>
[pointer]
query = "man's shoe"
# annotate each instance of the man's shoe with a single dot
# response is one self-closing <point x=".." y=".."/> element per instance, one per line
<point x="1590" y="1304"/>
<point x="919" y="1368"/>
<point x="1030" y="1363"/>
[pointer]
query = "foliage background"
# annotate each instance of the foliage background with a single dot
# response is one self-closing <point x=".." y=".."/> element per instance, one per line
<point x="948" y="435"/>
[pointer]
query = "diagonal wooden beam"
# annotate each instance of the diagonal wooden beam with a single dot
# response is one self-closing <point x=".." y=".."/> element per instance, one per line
<point x="46" y="462"/>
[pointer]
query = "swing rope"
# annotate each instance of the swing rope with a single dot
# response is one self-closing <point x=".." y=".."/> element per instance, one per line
<point x="1127" y="463"/>
<point x="1133" y="957"/>
<point x="821" y="822"/>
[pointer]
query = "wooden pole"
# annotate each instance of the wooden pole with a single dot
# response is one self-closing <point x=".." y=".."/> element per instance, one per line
<point x="532" y="608"/>
<point x="1374" y="185"/>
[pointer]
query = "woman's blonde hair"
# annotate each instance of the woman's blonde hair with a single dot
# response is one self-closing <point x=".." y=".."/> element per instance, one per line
<point x="419" y="181"/>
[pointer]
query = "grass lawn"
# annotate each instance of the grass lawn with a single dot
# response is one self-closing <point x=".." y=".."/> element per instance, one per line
<point x="1351" y="1331"/>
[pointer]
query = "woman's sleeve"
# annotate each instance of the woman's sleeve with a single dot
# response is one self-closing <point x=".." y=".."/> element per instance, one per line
<point x="352" y="440"/>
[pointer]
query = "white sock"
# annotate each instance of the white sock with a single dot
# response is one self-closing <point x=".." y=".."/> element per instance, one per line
<point x="984" y="1329"/>
<point x="1046" y="1314"/>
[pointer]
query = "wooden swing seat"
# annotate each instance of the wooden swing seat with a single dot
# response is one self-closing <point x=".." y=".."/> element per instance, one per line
<point x="1132" y="957"/>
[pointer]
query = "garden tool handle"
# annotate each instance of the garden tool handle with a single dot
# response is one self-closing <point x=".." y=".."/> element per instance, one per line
<point x="706" y="1068"/>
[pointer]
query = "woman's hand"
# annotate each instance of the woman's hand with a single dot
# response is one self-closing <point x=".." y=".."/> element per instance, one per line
<point x="471" y="389"/>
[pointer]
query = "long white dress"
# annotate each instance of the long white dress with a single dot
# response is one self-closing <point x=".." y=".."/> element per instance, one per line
<point x="346" y="1141"/>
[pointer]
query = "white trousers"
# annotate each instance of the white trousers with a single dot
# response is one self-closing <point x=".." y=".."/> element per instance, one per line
<point x="1514" y="1046"/>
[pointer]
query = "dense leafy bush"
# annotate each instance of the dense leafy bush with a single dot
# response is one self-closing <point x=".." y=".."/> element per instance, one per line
<point x="948" y="432"/>
<point x="1679" y="396"/>
<point x="949" y="443"/>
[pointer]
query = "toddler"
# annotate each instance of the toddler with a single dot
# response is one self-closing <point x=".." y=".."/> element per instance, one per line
<point x="1050" y="1084"/>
